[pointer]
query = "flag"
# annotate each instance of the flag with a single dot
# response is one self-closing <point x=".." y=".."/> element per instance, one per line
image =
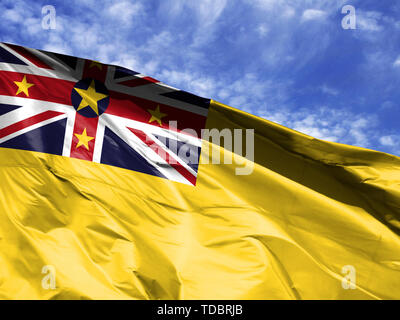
<point x="117" y="186"/>
<point x="105" y="114"/>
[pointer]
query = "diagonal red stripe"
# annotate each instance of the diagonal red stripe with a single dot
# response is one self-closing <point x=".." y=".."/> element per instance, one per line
<point x="28" y="55"/>
<point x="28" y="122"/>
<point x="164" y="155"/>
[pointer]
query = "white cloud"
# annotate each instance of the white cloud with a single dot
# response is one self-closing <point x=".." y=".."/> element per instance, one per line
<point x="390" y="141"/>
<point x="191" y="81"/>
<point x="171" y="7"/>
<point x="358" y="129"/>
<point x="313" y="14"/>
<point x="288" y="12"/>
<point x="248" y="92"/>
<point x="33" y="26"/>
<point x="209" y="10"/>
<point x="336" y="125"/>
<point x="124" y="12"/>
<point x="128" y="61"/>
<point x="396" y="63"/>
<point x="262" y="30"/>
<point x="329" y="90"/>
<point x="13" y="15"/>
<point x="266" y="4"/>
<point x="279" y="8"/>
<point x="369" y="20"/>
<point x="387" y="105"/>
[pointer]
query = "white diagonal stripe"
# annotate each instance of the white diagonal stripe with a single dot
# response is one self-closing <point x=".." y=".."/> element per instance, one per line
<point x="33" y="127"/>
<point x="29" y="108"/>
<point x="145" y="151"/>
<point x="172" y="154"/>
<point x="34" y="70"/>
<point x="182" y="137"/>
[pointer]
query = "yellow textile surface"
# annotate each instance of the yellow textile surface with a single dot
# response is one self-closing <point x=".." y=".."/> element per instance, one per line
<point x="308" y="209"/>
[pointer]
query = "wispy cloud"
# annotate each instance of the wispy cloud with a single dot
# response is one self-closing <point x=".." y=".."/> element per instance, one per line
<point x="262" y="30"/>
<point x="336" y="125"/>
<point x="369" y="20"/>
<point x="390" y="141"/>
<point x="329" y="90"/>
<point x="396" y="63"/>
<point x="313" y="14"/>
<point x="124" y="12"/>
<point x="286" y="60"/>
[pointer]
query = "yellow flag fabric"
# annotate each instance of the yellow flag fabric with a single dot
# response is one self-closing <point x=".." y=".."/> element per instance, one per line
<point x="314" y="220"/>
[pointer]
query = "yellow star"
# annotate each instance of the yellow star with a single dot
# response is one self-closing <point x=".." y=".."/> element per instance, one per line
<point x="83" y="139"/>
<point x="23" y="86"/>
<point x="90" y="97"/>
<point x="156" y="115"/>
<point x="96" y="64"/>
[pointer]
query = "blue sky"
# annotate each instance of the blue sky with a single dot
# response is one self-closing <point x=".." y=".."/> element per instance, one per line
<point x="289" y="61"/>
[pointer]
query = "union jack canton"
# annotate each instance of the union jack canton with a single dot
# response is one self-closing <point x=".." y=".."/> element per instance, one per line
<point x="84" y="109"/>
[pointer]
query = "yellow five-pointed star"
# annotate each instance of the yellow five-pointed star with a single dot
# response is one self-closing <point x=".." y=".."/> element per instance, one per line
<point x="90" y="97"/>
<point x="156" y="115"/>
<point x="23" y="86"/>
<point x="83" y="139"/>
<point x="96" y="64"/>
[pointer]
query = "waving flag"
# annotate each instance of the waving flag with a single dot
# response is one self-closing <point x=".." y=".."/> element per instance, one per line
<point x="103" y="197"/>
